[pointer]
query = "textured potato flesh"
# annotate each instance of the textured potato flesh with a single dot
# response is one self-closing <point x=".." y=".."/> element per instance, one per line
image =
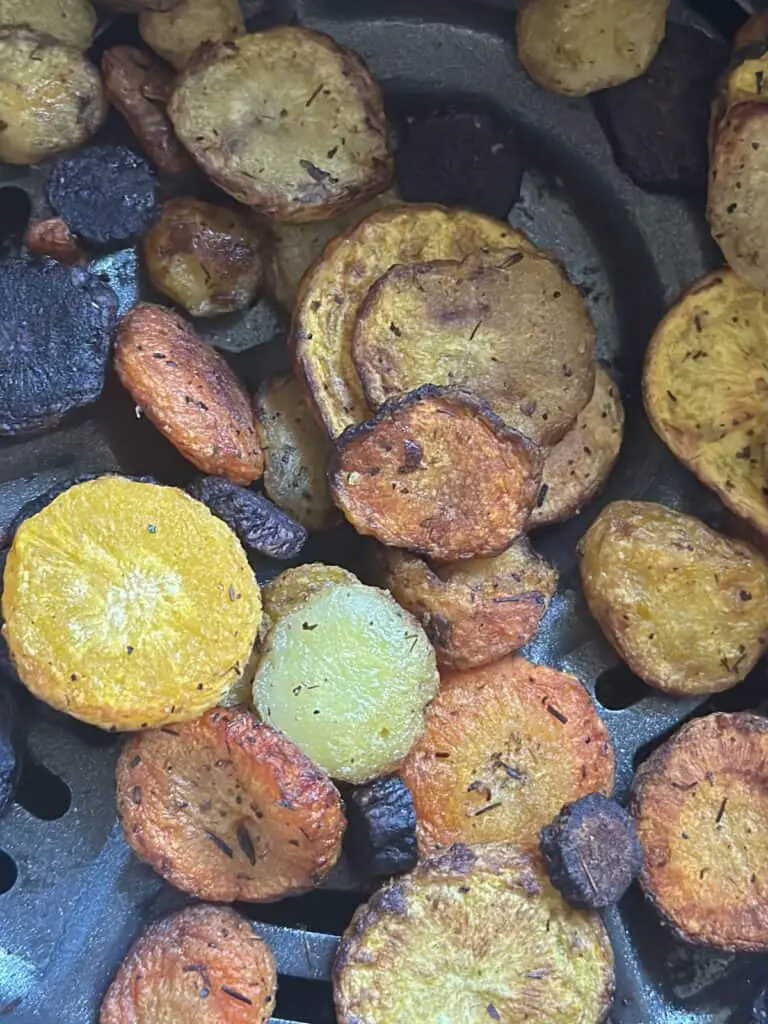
<point x="701" y="804"/>
<point x="478" y="610"/>
<point x="575" y="47"/>
<point x="577" y="467"/>
<point x="684" y="606"/>
<point x="504" y="747"/>
<point x="285" y="120"/>
<point x="473" y="936"/>
<point x="292" y="587"/>
<point x="333" y="291"/>
<point x="176" y="34"/>
<point x="118" y="608"/>
<point x="436" y="473"/>
<point x="346" y="676"/>
<point x="70" y="21"/>
<point x="51" y="98"/>
<point x="744" y="81"/>
<point x="504" y="324"/>
<point x="705" y="387"/>
<point x="296" y="454"/>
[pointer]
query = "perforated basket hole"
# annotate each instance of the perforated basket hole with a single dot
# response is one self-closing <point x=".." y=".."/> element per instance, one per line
<point x="618" y="688"/>
<point x="8" y="872"/>
<point x="42" y="793"/>
<point x="15" y="209"/>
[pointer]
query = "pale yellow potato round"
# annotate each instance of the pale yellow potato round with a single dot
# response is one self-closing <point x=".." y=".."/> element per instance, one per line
<point x="684" y="606"/>
<point x="286" y="121"/>
<point x="51" y="98"/>
<point x="576" y="47"/>
<point x="177" y="34"/>
<point x="70" y="21"/>
<point x="287" y="591"/>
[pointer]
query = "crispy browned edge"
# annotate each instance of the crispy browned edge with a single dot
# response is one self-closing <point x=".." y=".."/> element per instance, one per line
<point x="459" y="861"/>
<point x="371" y="98"/>
<point x="655" y="765"/>
<point x="459" y="397"/>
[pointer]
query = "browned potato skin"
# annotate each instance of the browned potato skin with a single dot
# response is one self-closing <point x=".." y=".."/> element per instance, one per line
<point x="72" y="22"/>
<point x="219" y="147"/>
<point x="190" y="394"/>
<point x="260" y="821"/>
<point x="207" y="258"/>
<point x="754" y="30"/>
<point x="684" y="606"/>
<point x="51" y="98"/>
<point x="473" y="612"/>
<point x="700" y="802"/>
<point x="53" y="238"/>
<point x="139" y="85"/>
<point x="199" y="965"/>
<point x="438" y="473"/>
<point x="135" y="6"/>
<point x="177" y="34"/>
<point x="576" y="468"/>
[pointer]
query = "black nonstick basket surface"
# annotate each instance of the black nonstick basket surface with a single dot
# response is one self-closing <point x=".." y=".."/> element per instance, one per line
<point x="72" y="895"/>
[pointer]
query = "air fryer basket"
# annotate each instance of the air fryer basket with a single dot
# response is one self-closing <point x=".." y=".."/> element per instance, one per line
<point x="72" y="895"/>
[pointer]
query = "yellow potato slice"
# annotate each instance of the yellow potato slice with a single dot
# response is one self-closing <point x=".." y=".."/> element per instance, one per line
<point x="72" y="22"/>
<point x="177" y="34"/>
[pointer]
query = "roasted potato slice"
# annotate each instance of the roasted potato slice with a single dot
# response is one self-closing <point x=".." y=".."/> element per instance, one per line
<point x="737" y="201"/>
<point x="704" y="385"/>
<point x="291" y="588"/>
<point x="575" y="47"/>
<point x="474" y="611"/>
<point x="346" y="674"/>
<point x="504" y="747"/>
<point x="51" y="98"/>
<point x="475" y="935"/>
<point x="51" y="237"/>
<point x="296" y="454"/>
<point x="436" y="472"/>
<point x="198" y="965"/>
<point x="684" y="606"/>
<point x="333" y="291"/>
<point x="331" y="149"/>
<point x="190" y="394"/>
<point x="576" y="468"/>
<point x="117" y="604"/>
<point x="506" y="325"/>
<point x="207" y="258"/>
<point x="753" y="31"/>
<point x="177" y="34"/>
<point x="136" y="6"/>
<point x="701" y="802"/>
<point x="71" y="22"/>
<point x="227" y="808"/>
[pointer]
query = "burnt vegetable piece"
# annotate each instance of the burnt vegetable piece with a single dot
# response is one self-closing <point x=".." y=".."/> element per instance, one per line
<point x="56" y="328"/>
<point x="591" y="852"/>
<point x="262" y="527"/>
<point x="107" y="194"/>
<point x="460" y="158"/>
<point x="381" y="837"/>
<point x="10" y="758"/>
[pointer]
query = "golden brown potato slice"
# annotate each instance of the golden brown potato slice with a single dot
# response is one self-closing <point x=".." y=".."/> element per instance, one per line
<point x="208" y="258"/>
<point x="136" y="6"/>
<point x="190" y="394"/>
<point x="684" y="606"/>
<point x="71" y="22"/>
<point x="227" y="808"/>
<point x="737" y="200"/>
<point x="295" y="247"/>
<point x="288" y="590"/>
<point x="576" y="468"/>
<point x="504" y="747"/>
<point x="705" y="385"/>
<point x="296" y="453"/>
<point x="576" y="47"/>
<point x="200" y="965"/>
<point x="51" y="98"/>
<point x="504" y="324"/>
<point x="436" y="472"/>
<point x="333" y="291"/>
<point x="177" y="34"/>
<point x="475" y="611"/>
<point x="480" y="935"/>
<point x="287" y="121"/>
<point x="701" y="802"/>
<point x="52" y="237"/>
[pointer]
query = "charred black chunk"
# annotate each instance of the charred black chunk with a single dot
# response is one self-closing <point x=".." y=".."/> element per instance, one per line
<point x="56" y="328"/>
<point x="381" y="834"/>
<point x="460" y="159"/>
<point x="657" y="123"/>
<point x="591" y="851"/>
<point x="10" y="754"/>
<point x="106" y="194"/>
<point x="262" y="527"/>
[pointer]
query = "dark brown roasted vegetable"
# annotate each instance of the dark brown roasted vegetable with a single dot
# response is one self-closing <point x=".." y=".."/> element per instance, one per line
<point x="381" y="837"/>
